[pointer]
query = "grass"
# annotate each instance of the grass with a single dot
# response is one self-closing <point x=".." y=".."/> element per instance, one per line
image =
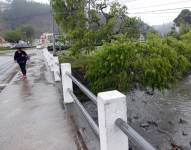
<point x="4" y="48"/>
<point x="78" y="70"/>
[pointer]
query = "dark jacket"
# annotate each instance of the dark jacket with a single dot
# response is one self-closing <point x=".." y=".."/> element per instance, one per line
<point x="21" y="56"/>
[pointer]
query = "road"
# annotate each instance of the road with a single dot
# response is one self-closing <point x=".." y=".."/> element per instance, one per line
<point x="32" y="117"/>
<point x="6" y="65"/>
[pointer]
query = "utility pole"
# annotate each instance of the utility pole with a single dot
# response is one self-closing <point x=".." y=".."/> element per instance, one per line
<point x="52" y="14"/>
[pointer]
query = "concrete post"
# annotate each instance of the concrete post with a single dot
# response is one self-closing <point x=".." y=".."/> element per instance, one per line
<point x="112" y="105"/>
<point x="56" y="69"/>
<point x="66" y="82"/>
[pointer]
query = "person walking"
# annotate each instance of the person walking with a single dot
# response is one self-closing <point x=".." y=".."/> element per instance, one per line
<point x="21" y="58"/>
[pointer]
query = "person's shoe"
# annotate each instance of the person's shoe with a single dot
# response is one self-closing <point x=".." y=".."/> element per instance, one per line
<point x="24" y="77"/>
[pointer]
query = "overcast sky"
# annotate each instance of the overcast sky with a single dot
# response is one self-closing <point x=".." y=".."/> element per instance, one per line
<point x="144" y="9"/>
<point x="155" y="12"/>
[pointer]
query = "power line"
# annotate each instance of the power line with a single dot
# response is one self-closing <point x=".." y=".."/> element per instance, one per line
<point x="162" y="10"/>
<point x="151" y="13"/>
<point x="164" y="4"/>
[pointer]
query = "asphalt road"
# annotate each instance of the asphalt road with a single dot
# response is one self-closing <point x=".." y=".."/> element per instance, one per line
<point x="31" y="114"/>
<point x="6" y="65"/>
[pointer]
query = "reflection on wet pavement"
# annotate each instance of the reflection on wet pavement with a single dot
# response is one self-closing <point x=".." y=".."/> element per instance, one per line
<point x="6" y="64"/>
<point x="25" y="89"/>
<point x="31" y="117"/>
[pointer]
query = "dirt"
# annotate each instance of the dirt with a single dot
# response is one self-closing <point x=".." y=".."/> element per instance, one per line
<point x="163" y="119"/>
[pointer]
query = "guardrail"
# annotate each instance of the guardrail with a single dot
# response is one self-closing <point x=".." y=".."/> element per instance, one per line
<point x="53" y="64"/>
<point x="113" y="130"/>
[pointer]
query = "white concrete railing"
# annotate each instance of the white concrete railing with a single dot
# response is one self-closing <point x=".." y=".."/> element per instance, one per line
<point x="53" y="64"/>
<point x="111" y="108"/>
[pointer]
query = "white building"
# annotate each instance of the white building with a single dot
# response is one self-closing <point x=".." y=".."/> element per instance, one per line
<point x="46" y="39"/>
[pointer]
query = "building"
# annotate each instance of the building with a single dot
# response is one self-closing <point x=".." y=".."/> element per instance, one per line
<point x="46" y="39"/>
<point x="2" y="41"/>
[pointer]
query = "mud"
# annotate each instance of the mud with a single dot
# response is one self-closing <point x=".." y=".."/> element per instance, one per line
<point x="163" y="119"/>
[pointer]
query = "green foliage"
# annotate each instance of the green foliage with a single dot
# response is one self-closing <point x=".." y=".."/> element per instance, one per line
<point x="4" y="48"/>
<point x="106" y="46"/>
<point x="118" y="10"/>
<point x="86" y="30"/>
<point x="173" y="33"/>
<point x="87" y="40"/>
<point x="77" y="62"/>
<point x="69" y="14"/>
<point x="123" y="65"/>
<point x="181" y="46"/>
<point x="27" y="33"/>
<point x="186" y="38"/>
<point x="12" y="36"/>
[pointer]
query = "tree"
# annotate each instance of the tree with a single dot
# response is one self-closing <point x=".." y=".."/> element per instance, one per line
<point x="12" y="36"/>
<point x="69" y="14"/>
<point x="86" y="24"/>
<point x="27" y="33"/>
<point x="124" y="64"/>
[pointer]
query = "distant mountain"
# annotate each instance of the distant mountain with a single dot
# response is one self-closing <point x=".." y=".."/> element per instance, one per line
<point x="183" y="18"/>
<point x="164" y="28"/>
<point x="22" y="12"/>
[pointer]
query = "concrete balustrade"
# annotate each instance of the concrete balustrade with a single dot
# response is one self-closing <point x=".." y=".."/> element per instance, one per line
<point x="66" y="83"/>
<point x="53" y="64"/>
<point x="111" y="106"/>
<point x="56" y="69"/>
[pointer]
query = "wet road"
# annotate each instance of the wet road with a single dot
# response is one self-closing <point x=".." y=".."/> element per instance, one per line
<point x="31" y="115"/>
<point x="6" y="65"/>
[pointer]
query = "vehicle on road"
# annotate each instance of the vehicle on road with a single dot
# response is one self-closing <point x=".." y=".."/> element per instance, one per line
<point x="39" y="46"/>
<point x="58" y="47"/>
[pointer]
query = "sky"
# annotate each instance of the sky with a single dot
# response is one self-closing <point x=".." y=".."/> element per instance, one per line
<point x="144" y="9"/>
<point x="153" y="12"/>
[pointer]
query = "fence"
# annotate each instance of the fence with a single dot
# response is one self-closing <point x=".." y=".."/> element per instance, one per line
<point x="113" y="131"/>
<point x="53" y="63"/>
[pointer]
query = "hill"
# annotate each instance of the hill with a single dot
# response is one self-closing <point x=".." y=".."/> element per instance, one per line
<point x="183" y="18"/>
<point x="21" y="12"/>
<point x="163" y="28"/>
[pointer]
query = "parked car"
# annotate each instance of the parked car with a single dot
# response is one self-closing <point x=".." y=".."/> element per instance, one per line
<point x="58" y="47"/>
<point x="39" y="47"/>
<point x="21" y="45"/>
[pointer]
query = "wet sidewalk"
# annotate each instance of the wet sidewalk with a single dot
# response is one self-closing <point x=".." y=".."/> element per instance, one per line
<point x="31" y="114"/>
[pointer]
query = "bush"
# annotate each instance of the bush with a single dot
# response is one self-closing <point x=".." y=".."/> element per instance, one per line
<point x="4" y="48"/>
<point x="76" y="62"/>
<point x="12" y="36"/>
<point x="123" y="65"/>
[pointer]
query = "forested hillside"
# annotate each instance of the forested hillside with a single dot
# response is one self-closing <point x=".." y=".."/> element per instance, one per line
<point x="183" y="18"/>
<point x="21" y="13"/>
